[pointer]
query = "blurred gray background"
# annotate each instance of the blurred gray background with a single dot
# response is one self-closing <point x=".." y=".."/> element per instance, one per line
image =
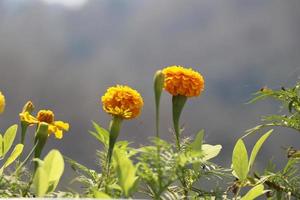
<point x="63" y="54"/>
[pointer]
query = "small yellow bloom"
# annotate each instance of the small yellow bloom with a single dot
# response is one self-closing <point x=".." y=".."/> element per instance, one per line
<point x="183" y="81"/>
<point x="122" y="101"/>
<point x="2" y="103"/>
<point x="46" y="116"/>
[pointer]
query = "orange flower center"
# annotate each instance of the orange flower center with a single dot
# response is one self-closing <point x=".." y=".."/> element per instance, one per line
<point x="45" y="116"/>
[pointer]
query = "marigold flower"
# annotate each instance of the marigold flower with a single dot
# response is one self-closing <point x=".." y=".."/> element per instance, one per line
<point x="122" y="101"/>
<point x="183" y="81"/>
<point x="46" y="116"/>
<point x="2" y="103"/>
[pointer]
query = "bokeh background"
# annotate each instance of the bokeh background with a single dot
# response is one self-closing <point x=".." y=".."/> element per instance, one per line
<point x="63" y="54"/>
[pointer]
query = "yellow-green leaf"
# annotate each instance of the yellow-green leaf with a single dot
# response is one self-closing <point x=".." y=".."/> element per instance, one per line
<point x="14" y="155"/>
<point x="101" y="195"/>
<point x="196" y="145"/>
<point x="257" y="147"/>
<point x="40" y="182"/>
<point x="9" y="138"/>
<point x="210" y="151"/>
<point x="54" y="167"/>
<point x="126" y="172"/>
<point x="240" y="160"/>
<point x="101" y="134"/>
<point x="254" y="192"/>
<point x="1" y="146"/>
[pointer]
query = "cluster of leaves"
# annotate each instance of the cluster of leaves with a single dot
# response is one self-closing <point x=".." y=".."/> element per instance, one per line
<point x="157" y="171"/>
<point x="18" y="181"/>
<point x="279" y="184"/>
<point x="290" y="101"/>
<point x="161" y="170"/>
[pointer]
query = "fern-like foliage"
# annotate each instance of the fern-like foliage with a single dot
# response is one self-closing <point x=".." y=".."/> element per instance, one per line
<point x="97" y="181"/>
<point x="12" y="186"/>
<point x="284" y="183"/>
<point x="103" y="182"/>
<point x="169" y="173"/>
<point x="156" y="167"/>
<point x="290" y="99"/>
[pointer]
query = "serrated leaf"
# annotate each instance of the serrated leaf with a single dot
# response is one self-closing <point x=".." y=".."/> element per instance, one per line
<point x="210" y="151"/>
<point x="240" y="160"/>
<point x="102" y="135"/>
<point x="257" y="147"/>
<point x="54" y="167"/>
<point x="9" y="138"/>
<point x="254" y="192"/>
<point x="13" y="156"/>
<point x="40" y="182"/>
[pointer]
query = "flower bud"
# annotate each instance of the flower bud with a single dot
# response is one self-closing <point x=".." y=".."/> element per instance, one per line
<point x="28" y="107"/>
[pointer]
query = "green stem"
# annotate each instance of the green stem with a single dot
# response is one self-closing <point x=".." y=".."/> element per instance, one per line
<point x="157" y="120"/>
<point x="158" y="87"/>
<point x="40" y="139"/>
<point x="178" y="103"/>
<point x="26" y="159"/>
<point x="114" y="129"/>
<point x="24" y="127"/>
<point x="237" y="193"/>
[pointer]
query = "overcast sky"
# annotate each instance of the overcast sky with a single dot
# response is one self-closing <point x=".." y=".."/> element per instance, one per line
<point x="64" y="57"/>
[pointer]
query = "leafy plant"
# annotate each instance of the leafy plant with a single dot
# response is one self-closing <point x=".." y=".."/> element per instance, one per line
<point x="164" y="170"/>
<point x="6" y="142"/>
<point x="48" y="173"/>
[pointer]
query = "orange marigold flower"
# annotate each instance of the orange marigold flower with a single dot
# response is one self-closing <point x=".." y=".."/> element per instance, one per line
<point x="122" y="101"/>
<point x="46" y="116"/>
<point x="183" y="81"/>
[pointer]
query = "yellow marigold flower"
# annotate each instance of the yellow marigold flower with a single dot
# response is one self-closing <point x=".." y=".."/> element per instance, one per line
<point x="183" y="81"/>
<point x="46" y="116"/>
<point x="2" y="103"/>
<point x="122" y="101"/>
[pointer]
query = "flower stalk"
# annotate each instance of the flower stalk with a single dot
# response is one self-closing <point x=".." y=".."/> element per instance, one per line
<point x="114" y="130"/>
<point x="158" y="87"/>
<point x="178" y="103"/>
<point x="40" y="140"/>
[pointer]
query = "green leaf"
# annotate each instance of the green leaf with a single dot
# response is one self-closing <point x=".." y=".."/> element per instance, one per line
<point x="54" y="167"/>
<point x="40" y="182"/>
<point x="101" y="195"/>
<point x="210" y="151"/>
<point x="254" y="192"/>
<point x="1" y="145"/>
<point x="102" y="134"/>
<point x="126" y="172"/>
<point x="257" y="147"/>
<point x="196" y="145"/>
<point x="240" y="160"/>
<point x="9" y="138"/>
<point x="13" y="156"/>
<point x="39" y="162"/>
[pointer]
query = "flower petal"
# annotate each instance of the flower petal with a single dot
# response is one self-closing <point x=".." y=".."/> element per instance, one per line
<point x="61" y="125"/>
<point x="26" y="117"/>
